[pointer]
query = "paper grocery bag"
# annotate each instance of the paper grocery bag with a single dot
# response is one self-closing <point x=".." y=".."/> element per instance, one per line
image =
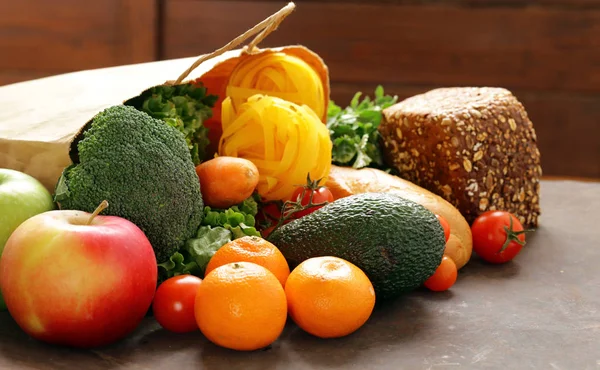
<point x="40" y="119"/>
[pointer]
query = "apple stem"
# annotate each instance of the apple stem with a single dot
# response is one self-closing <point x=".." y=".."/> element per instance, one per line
<point x="99" y="209"/>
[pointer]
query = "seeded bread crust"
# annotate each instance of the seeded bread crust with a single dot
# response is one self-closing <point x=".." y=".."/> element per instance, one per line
<point x="475" y="147"/>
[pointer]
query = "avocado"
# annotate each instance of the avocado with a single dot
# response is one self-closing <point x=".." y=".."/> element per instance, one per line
<point x="398" y="243"/>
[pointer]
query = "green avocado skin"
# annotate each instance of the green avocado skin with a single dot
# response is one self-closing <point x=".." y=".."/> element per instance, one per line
<point x="398" y="243"/>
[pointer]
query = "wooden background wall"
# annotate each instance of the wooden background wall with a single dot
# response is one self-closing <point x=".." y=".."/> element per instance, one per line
<point x="546" y="51"/>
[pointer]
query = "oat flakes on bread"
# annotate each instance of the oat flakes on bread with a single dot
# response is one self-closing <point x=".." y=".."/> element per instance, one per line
<point x="474" y="146"/>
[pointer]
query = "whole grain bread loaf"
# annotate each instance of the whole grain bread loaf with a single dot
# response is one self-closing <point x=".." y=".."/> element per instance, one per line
<point x="474" y="146"/>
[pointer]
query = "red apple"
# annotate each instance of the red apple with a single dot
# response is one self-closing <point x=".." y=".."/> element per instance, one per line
<point x="78" y="279"/>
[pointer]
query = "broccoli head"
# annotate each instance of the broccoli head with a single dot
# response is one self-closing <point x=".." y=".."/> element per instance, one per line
<point x="143" y="168"/>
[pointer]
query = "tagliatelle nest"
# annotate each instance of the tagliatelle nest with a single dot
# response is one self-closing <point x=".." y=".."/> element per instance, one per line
<point x="284" y="140"/>
<point x="293" y="73"/>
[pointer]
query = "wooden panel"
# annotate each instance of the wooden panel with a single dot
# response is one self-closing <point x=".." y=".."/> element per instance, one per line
<point x="549" y="55"/>
<point x="39" y="37"/>
<point x="9" y="76"/>
<point x="486" y="3"/>
<point x="518" y="48"/>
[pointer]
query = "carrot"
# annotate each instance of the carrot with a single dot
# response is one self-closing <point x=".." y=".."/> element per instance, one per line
<point x="226" y="181"/>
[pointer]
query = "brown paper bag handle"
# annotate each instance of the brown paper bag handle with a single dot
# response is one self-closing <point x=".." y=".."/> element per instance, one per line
<point x="265" y="27"/>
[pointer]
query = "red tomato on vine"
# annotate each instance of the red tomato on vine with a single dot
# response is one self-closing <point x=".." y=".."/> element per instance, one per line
<point x="303" y="195"/>
<point x="498" y="236"/>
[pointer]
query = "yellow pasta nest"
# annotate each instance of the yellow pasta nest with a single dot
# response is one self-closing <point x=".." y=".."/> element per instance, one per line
<point x="284" y="140"/>
<point x="277" y="74"/>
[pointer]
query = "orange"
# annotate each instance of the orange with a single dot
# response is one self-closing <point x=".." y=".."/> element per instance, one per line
<point x="329" y="297"/>
<point x="252" y="249"/>
<point x="241" y="306"/>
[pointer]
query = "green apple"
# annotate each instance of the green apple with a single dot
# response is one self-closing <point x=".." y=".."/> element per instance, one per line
<point x="21" y="197"/>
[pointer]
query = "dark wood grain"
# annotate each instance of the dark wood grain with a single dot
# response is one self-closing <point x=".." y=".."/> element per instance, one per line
<point x="568" y="4"/>
<point x="39" y="37"/>
<point x="537" y="48"/>
<point x="547" y="53"/>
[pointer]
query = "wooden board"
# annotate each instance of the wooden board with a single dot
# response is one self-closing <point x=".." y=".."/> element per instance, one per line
<point x="546" y="52"/>
<point x="42" y="38"/>
<point x="532" y="48"/>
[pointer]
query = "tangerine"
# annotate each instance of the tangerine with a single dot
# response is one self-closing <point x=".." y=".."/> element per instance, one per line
<point x="252" y="249"/>
<point x="329" y="297"/>
<point x="241" y="306"/>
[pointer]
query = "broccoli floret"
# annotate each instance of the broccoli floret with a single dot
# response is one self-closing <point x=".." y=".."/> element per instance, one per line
<point x="143" y="168"/>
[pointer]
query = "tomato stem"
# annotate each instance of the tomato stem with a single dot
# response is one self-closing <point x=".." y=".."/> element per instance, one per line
<point x="311" y="184"/>
<point x="512" y="236"/>
<point x="291" y="207"/>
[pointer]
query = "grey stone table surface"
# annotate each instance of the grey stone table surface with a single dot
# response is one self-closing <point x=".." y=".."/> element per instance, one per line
<point x="540" y="311"/>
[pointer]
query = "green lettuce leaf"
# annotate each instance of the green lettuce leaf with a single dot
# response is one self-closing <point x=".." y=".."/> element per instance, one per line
<point x="180" y="263"/>
<point x="184" y="107"/>
<point x="206" y="244"/>
<point x="239" y="219"/>
<point x="218" y="228"/>
<point x="194" y="256"/>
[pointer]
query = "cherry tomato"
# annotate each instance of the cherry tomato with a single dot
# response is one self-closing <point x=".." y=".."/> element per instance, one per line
<point x="443" y="277"/>
<point x="266" y="232"/>
<point x="498" y="236"/>
<point x="445" y="225"/>
<point x="272" y="211"/>
<point x="267" y="218"/>
<point x="268" y="214"/>
<point x="173" y="304"/>
<point x="320" y="195"/>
